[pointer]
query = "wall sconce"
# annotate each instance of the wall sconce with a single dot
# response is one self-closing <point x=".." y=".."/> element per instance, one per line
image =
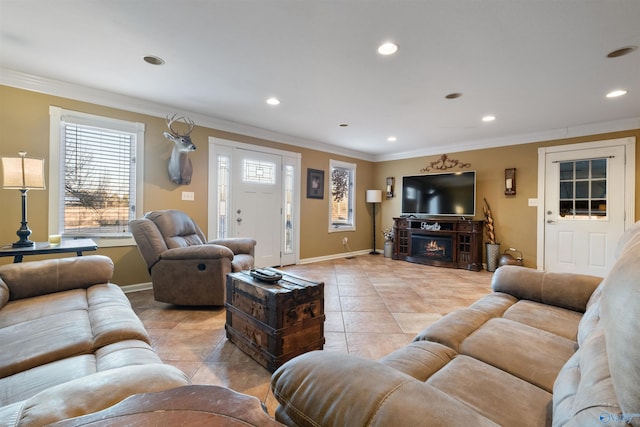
<point x="390" y="184"/>
<point x="510" y="182"/>
<point x="21" y="173"/>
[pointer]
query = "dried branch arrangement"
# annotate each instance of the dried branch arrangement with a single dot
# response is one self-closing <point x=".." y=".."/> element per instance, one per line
<point x="488" y="224"/>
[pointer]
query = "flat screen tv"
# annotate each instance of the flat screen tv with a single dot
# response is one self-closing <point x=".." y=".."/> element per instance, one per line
<point x="440" y="194"/>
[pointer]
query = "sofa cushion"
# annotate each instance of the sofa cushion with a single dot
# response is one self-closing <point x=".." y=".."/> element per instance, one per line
<point x="24" y="310"/>
<point x="493" y="393"/>
<point x="420" y="359"/>
<point x="531" y="354"/>
<point x="39" y="341"/>
<point x="567" y="290"/>
<point x="81" y="396"/>
<point x="43" y="329"/>
<point x="111" y="316"/>
<point x="31" y="279"/>
<point x="24" y="384"/>
<point x="549" y="318"/>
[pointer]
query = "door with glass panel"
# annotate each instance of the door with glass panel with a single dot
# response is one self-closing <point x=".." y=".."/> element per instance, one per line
<point x="252" y="192"/>
<point x="584" y="209"/>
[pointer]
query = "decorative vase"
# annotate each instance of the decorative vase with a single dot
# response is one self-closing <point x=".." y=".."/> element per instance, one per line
<point x="388" y="249"/>
<point x="493" y="256"/>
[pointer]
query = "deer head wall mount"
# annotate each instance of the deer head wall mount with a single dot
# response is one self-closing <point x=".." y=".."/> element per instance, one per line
<point x="180" y="168"/>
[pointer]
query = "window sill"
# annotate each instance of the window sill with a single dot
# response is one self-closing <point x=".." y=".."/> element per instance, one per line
<point x="341" y="228"/>
<point x="108" y="242"/>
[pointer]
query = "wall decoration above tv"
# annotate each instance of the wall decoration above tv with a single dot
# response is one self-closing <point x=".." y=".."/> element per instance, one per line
<point x="440" y="194"/>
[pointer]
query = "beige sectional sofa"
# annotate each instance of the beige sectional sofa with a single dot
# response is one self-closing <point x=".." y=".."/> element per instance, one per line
<point x="70" y="343"/>
<point x="542" y="349"/>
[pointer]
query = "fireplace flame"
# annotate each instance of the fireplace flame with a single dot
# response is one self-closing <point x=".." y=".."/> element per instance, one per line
<point x="432" y="248"/>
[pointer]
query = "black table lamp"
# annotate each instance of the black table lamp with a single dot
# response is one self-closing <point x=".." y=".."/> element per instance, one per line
<point x="373" y="197"/>
<point x="21" y="173"/>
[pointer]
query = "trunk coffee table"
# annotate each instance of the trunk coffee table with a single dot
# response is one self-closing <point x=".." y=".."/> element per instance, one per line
<point x="274" y="322"/>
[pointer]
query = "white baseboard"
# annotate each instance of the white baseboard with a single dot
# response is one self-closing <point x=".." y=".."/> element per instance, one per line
<point x="334" y="256"/>
<point x="136" y="287"/>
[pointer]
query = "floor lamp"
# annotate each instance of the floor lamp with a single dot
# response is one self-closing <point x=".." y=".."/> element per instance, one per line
<point x="21" y="173"/>
<point x="373" y="197"/>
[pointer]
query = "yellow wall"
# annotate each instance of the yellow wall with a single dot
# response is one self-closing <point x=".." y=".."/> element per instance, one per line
<point x="515" y="221"/>
<point x="24" y="125"/>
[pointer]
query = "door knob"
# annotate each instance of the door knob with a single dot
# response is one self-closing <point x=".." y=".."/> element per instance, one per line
<point x="239" y="220"/>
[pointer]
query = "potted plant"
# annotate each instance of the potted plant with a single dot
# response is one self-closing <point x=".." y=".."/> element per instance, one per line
<point x="388" y="242"/>
<point x="492" y="246"/>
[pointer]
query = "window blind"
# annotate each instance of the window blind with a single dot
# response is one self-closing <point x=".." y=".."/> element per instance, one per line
<point x="99" y="181"/>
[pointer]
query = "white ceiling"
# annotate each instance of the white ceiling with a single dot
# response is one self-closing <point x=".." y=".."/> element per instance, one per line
<point x="539" y="66"/>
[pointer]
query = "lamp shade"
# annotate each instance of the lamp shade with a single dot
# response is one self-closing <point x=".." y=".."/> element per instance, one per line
<point x="22" y="173"/>
<point x="374" y="196"/>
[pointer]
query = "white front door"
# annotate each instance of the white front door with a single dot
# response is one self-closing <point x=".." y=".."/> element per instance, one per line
<point x="257" y="203"/>
<point x="253" y="192"/>
<point x="584" y="205"/>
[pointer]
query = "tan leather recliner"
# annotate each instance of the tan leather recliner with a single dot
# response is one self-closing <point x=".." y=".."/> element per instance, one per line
<point x="185" y="268"/>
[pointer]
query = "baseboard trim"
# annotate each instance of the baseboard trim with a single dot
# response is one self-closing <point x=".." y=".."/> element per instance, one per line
<point x="334" y="256"/>
<point x="137" y="287"/>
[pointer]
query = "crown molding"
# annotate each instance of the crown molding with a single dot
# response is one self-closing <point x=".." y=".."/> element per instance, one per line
<point x="64" y="89"/>
<point x="548" y="135"/>
<point x="76" y="92"/>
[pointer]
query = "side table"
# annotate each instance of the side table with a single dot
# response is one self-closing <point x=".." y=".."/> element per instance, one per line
<point x="193" y="405"/>
<point x="66" y="246"/>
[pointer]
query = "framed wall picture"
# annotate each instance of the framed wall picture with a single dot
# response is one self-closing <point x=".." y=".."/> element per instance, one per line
<point x="315" y="184"/>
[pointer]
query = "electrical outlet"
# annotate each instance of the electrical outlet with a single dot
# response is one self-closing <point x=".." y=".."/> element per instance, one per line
<point x="345" y="240"/>
<point x="188" y="195"/>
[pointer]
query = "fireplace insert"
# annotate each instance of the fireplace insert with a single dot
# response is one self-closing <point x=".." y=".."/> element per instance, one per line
<point x="432" y="247"/>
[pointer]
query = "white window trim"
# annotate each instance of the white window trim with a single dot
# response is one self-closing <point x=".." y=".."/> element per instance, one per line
<point x="56" y="115"/>
<point x="351" y="227"/>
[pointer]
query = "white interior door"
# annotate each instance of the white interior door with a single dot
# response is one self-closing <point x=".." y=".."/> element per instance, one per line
<point x="584" y="207"/>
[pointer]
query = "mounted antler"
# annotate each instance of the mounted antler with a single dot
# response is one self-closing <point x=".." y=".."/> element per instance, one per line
<point x="173" y="119"/>
<point x="180" y="168"/>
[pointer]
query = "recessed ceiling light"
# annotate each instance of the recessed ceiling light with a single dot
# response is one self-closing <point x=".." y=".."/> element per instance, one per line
<point x="616" y="93"/>
<point x="273" y="101"/>
<point x="387" y="48"/>
<point x="453" y="95"/>
<point x="488" y="118"/>
<point x="621" y="52"/>
<point x="392" y="139"/>
<point x="153" y="60"/>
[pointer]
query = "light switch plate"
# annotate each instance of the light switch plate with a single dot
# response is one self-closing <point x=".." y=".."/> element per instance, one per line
<point x="533" y="202"/>
<point x="188" y="195"/>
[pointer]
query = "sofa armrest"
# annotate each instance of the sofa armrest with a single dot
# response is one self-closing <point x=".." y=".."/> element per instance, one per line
<point x="566" y="290"/>
<point x="238" y="245"/>
<point x="94" y="392"/>
<point x="29" y="279"/>
<point x="335" y="389"/>
<point x="197" y="252"/>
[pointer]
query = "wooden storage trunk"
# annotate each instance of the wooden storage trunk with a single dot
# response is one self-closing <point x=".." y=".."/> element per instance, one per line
<point x="273" y="323"/>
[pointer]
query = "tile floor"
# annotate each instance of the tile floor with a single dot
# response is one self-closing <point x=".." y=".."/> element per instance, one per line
<point x="373" y="306"/>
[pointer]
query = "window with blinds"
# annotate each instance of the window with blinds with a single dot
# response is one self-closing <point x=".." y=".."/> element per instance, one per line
<point x="99" y="180"/>
<point x="95" y="176"/>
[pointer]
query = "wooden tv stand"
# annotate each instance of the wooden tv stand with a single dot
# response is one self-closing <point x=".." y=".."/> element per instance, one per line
<point x="440" y="242"/>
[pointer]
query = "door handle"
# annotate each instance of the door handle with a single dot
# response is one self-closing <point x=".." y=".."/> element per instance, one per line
<point x="239" y="220"/>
